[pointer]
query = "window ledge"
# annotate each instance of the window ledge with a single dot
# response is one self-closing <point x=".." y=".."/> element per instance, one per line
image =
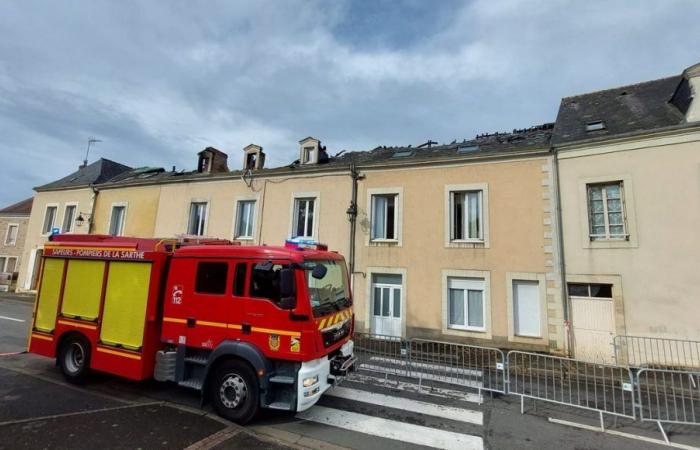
<point x="243" y="238"/>
<point x="384" y="243"/>
<point x="470" y="330"/>
<point x="466" y="244"/>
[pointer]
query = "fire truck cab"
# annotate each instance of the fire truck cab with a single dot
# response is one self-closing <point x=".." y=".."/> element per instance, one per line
<point x="248" y="326"/>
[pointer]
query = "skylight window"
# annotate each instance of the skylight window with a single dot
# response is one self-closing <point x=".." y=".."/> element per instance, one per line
<point x="467" y="148"/>
<point x="402" y="154"/>
<point x="595" y="126"/>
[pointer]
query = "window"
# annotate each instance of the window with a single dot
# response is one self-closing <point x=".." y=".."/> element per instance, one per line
<point x="384" y="223"/>
<point x="8" y="264"/>
<point x="304" y="217"/>
<point x="467" y="148"/>
<point x="49" y="219"/>
<point x="593" y="290"/>
<point x="245" y="214"/>
<point x="266" y="283"/>
<point x="402" y="154"/>
<point x="606" y="211"/>
<point x="466" y="219"/>
<point x="306" y="154"/>
<point x="68" y="218"/>
<point x="596" y="125"/>
<point x="239" y="280"/>
<point x="211" y="278"/>
<point x="197" y="220"/>
<point x="11" y="235"/>
<point x="526" y="308"/>
<point x="116" y="221"/>
<point x="466" y="303"/>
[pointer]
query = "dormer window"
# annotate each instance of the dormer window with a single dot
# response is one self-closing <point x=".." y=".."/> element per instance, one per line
<point x="250" y="161"/>
<point x="306" y="153"/>
<point x="253" y="157"/>
<point x="204" y="164"/>
<point x="311" y="152"/>
<point x="596" y="125"/>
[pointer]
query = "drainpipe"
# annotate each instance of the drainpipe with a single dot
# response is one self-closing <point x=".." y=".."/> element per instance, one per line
<point x="93" y="198"/>
<point x="352" y="216"/>
<point x="562" y="260"/>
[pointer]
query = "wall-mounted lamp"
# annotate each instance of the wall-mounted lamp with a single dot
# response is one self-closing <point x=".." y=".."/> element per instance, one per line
<point x="351" y="211"/>
<point x="81" y="219"/>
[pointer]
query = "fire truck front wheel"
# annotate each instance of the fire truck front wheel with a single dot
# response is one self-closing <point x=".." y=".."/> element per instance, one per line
<point x="234" y="391"/>
<point x="74" y="359"/>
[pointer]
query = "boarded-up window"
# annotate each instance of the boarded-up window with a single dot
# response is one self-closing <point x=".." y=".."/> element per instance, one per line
<point x="126" y="297"/>
<point x="81" y="296"/>
<point x="49" y="292"/>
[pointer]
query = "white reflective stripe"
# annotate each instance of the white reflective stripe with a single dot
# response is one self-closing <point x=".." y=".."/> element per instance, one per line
<point x="12" y="319"/>
<point x="414" y="387"/>
<point x="390" y="429"/>
<point x="405" y="404"/>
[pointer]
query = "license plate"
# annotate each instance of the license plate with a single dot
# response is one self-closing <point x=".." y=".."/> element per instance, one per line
<point x="346" y="349"/>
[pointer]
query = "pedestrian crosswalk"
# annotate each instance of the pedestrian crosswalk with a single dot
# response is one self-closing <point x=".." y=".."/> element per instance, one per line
<point x="401" y="413"/>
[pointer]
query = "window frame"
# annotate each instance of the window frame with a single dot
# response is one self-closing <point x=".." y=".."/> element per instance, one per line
<point x="629" y="212"/>
<point x="7" y="258"/>
<point x="398" y="216"/>
<point x="122" y="225"/>
<point x="465" y="299"/>
<point x="204" y="216"/>
<point x="72" y="221"/>
<point x="386" y="213"/>
<point x="7" y="235"/>
<point x="465" y="217"/>
<point x="55" y="216"/>
<point x="296" y="196"/>
<point x="484" y="240"/>
<point x="485" y="276"/>
<point x="606" y="218"/>
<point x="238" y="216"/>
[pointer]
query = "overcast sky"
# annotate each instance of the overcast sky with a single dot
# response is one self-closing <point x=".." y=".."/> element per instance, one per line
<point x="159" y="81"/>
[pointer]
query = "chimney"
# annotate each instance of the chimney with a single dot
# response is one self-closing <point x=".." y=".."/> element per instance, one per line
<point x="212" y="160"/>
<point x="253" y="157"/>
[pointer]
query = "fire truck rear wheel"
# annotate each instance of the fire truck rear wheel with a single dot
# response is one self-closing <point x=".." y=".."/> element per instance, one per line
<point x="74" y="359"/>
<point x="234" y="392"/>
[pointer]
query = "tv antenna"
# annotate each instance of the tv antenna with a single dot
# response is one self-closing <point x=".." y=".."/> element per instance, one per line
<point x="91" y="140"/>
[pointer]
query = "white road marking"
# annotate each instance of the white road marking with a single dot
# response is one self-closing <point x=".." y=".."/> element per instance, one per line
<point x="405" y="404"/>
<point x="429" y="366"/>
<point x="413" y="387"/>
<point x="12" y="319"/>
<point x="391" y="429"/>
<point x="421" y="375"/>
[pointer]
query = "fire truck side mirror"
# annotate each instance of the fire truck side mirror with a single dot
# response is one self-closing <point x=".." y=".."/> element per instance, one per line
<point x="288" y="298"/>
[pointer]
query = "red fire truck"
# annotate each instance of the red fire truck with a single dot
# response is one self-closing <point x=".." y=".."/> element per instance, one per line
<point x="248" y="326"/>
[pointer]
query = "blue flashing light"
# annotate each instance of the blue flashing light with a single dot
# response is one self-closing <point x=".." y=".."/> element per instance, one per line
<point x="300" y="243"/>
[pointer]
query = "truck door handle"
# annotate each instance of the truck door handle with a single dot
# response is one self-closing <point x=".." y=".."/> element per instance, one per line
<point x="245" y="328"/>
<point x="191" y="321"/>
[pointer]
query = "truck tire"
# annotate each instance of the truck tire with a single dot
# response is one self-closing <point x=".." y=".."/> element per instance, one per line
<point x="234" y="392"/>
<point x="74" y="359"/>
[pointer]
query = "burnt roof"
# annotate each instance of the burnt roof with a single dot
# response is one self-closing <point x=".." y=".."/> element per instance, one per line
<point x="626" y="109"/>
<point x="535" y="138"/>
<point x="100" y="171"/>
<point x="20" y="208"/>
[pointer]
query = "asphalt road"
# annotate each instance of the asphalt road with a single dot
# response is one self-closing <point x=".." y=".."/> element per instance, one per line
<point x="39" y="410"/>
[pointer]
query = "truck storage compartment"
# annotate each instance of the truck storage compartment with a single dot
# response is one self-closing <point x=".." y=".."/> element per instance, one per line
<point x="126" y="297"/>
<point x="50" y="291"/>
<point x="83" y="289"/>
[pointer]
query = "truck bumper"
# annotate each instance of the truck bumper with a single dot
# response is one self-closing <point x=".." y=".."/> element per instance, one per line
<point x="320" y="375"/>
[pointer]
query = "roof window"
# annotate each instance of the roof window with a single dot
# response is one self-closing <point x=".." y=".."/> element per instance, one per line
<point x="596" y="125"/>
<point x="402" y="154"/>
<point x="467" y="148"/>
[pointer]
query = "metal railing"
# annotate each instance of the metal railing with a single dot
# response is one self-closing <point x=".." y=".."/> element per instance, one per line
<point x="482" y="368"/>
<point x="670" y="396"/>
<point x="598" y="387"/>
<point x="639" y="351"/>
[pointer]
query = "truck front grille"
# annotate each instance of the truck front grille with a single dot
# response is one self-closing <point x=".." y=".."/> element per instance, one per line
<point x="334" y="335"/>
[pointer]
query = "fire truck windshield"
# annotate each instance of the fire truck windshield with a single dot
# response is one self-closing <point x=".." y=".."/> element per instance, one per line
<point x="330" y="292"/>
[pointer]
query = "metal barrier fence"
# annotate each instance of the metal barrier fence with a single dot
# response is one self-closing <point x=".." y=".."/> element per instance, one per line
<point x="639" y="351"/>
<point x="598" y="387"/>
<point x="657" y="395"/>
<point x="432" y="362"/>
<point x="669" y="396"/>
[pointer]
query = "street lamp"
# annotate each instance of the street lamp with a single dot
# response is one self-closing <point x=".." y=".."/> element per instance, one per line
<point x="80" y="220"/>
<point x="352" y="211"/>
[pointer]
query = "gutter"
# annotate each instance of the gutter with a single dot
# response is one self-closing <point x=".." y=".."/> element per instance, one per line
<point x="93" y="198"/>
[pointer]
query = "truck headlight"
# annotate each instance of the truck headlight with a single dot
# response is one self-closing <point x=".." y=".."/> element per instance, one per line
<point x="310" y="381"/>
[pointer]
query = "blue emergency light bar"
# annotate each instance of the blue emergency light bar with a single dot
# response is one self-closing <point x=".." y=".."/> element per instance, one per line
<point x="301" y="244"/>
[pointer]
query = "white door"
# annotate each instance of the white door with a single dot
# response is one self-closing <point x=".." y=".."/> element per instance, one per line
<point x="593" y="328"/>
<point x="386" y="305"/>
<point x="526" y="308"/>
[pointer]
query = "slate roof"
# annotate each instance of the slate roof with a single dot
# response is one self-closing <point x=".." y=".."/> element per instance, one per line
<point x="98" y="172"/>
<point x="626" y="109"/>
<point x="21" y="208"/>
<point x="535" y="138"/>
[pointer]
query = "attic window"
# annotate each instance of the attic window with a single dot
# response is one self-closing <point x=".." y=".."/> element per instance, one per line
<point x="402" y="154"/>
<point x="595" y="126"/>
<point x="467" y="148"/>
